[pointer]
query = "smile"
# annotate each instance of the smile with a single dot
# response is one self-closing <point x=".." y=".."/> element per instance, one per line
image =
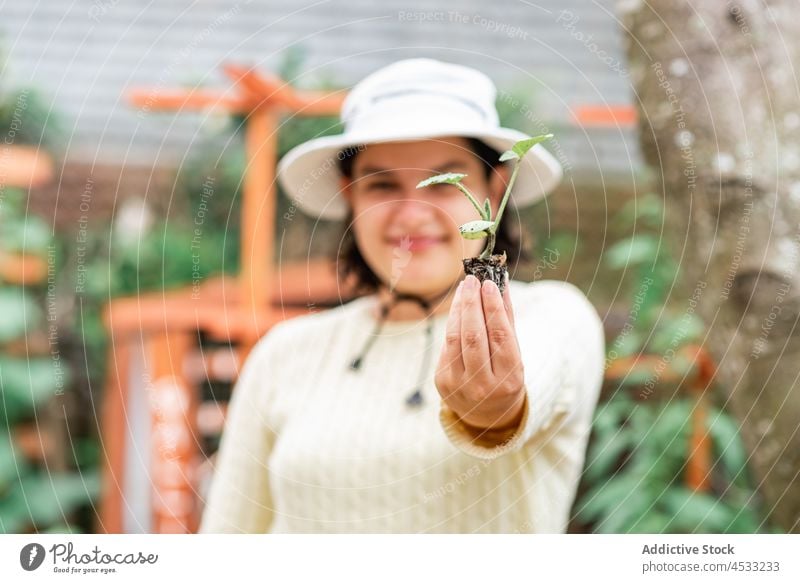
<point x="416" y="243"/>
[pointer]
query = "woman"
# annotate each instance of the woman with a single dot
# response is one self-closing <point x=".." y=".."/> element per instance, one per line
<point x="339" y="421"/>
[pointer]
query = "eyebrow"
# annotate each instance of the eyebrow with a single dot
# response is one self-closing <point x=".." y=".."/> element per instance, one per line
<point x="446" y="167"/>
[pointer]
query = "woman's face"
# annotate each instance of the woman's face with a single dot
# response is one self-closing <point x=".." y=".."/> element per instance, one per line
<point x="409" y="236"/>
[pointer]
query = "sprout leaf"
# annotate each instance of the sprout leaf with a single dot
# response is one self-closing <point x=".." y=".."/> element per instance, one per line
<point x="521" y="148"/>
<point x="448" y="178"/>
<point x="475" y="229"/>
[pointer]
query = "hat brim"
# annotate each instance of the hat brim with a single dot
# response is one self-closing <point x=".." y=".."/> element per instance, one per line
<point x="309" y="173"/>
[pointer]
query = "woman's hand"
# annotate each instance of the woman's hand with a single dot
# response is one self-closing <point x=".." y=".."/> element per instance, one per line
<point x="480" y="373"/>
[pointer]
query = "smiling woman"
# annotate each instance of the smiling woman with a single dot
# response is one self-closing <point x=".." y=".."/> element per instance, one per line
<point x="341" y="421"/>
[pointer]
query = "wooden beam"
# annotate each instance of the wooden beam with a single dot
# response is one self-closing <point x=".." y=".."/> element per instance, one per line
<point x="24" y="166"/>
<point x="605" y="116"/>
<point x="258" y="218"/>
<point x="112" y="437"/>
<point x="186" y="100"/>
<point x="274" y="92"/>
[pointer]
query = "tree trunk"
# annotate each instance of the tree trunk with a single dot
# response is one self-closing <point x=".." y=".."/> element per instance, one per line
<point x="720" y="122"/>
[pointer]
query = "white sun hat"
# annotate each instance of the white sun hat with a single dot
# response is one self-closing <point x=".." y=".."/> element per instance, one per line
<point x="411" y="99"/>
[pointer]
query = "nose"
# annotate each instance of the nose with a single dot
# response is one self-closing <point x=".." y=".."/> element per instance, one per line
<point x="411" y="204"/>
<point x="410" y="214"/>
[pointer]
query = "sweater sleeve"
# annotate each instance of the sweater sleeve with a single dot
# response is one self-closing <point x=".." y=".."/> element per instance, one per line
<point x="239" y="499"/>
<point x="563" y="351"/>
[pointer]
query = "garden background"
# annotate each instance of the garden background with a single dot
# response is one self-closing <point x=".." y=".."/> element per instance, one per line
<point x="102" y="194"/>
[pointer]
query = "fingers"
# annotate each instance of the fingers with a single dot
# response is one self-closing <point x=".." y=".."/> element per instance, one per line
<point x="507" y="303"/>
<point x="450" y="360"/>
<point x="503" y="349"/>
<point x="510" y="310"/>
<point x="474" y="341"/>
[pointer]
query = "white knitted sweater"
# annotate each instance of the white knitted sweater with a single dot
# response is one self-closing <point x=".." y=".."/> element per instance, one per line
<point x="313" y="446"/>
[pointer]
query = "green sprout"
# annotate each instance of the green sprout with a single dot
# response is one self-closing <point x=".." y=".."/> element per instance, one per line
<point x="485" y="227"/>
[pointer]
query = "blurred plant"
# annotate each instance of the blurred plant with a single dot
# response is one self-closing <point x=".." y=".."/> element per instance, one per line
<point x="653" y="325"/>
<point x="635" y="466"/>
<point x="32" y="496"/>
<point x="639" y="449"/>
<point x="27" y="119"/>
<point x="162" y="256"/>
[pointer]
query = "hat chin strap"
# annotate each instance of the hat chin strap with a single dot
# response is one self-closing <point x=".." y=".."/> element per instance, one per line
<point x="415" y="398"/>
<point x="424" y="303"/>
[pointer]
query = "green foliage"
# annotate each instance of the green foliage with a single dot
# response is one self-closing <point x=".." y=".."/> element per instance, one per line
<point x="634" y="472"/>
<point x="21" y="232"/>
<point x="446" y="178"/>
<point x="688" y="328"/>
<point x="639" y="449"/>
<point x="475" y="229"/>
<point x="654" y="325"/>
<point x="42" y="501"/>
<point x="167" y="256"/>
<point x="522" y="147"/>
<point x="645" y="211"/>
<point x="636" y="251"/>
<point x="215" y="165"/>
<point x="27" y="384"/>
<point x="32" y="498"/>
<point x="20" y="313"/>
<point x="26" y="118"/>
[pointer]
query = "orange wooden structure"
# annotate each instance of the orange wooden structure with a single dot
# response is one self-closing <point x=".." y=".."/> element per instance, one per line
<point x="604" y="116"/>
<point x="24" y="166"/>
<point x="152" y="400"/>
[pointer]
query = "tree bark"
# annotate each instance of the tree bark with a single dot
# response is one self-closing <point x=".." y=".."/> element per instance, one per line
<point x="719" y="105"/>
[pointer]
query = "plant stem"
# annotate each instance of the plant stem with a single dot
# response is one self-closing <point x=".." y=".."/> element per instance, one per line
<point x="474" y="202"/>
<point x="493" y="228"/>
<point x="487" y="252"/>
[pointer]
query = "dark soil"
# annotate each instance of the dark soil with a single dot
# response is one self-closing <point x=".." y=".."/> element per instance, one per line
<point x="493" y="268"/>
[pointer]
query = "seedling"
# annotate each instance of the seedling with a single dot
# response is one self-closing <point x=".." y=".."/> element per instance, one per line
<point x="487" y="265"/>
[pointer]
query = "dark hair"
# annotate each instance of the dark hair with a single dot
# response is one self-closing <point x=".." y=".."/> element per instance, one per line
<point x="351" y="262"/>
